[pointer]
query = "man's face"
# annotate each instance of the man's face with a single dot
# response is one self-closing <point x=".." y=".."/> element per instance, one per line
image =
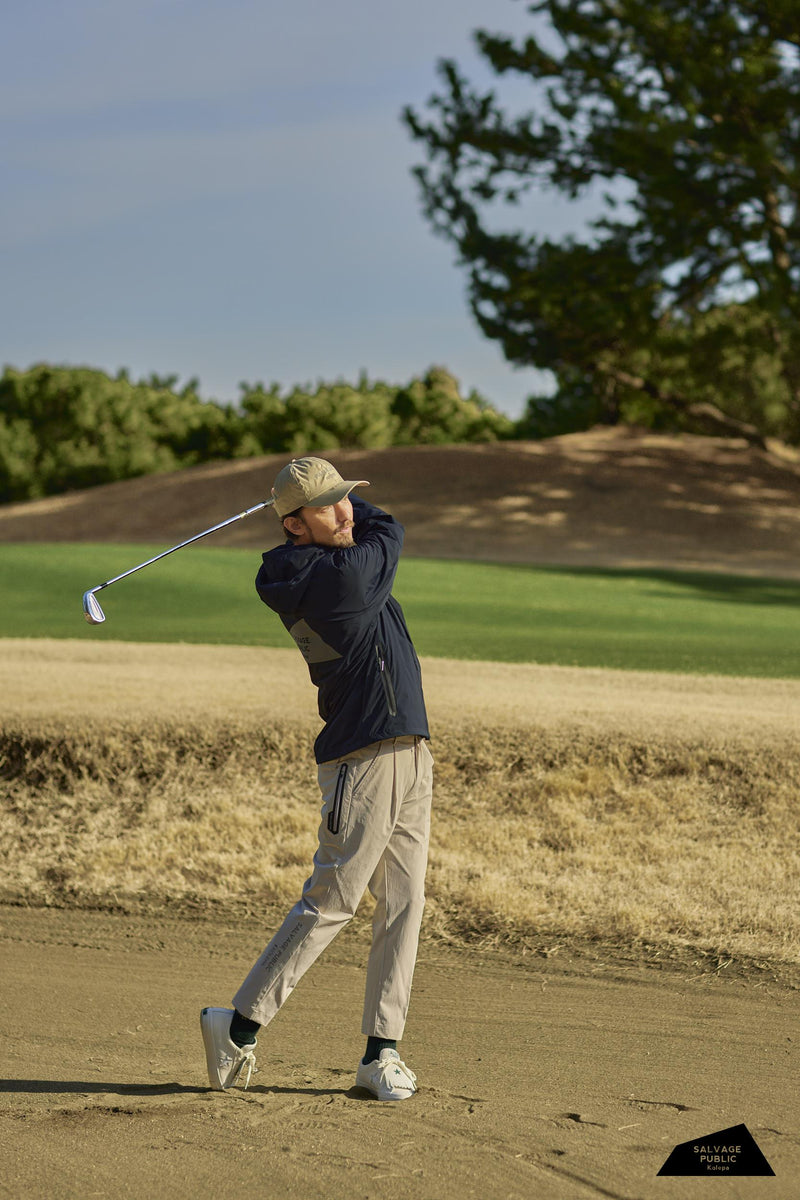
<point x="328" y="526"/>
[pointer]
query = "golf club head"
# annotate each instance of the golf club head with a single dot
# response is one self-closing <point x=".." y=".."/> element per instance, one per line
<point x="92" y="610"/>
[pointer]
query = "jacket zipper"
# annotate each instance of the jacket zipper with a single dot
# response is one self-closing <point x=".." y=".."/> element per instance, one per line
<point x="386" y="680"/>
<point x="335" y="815"/>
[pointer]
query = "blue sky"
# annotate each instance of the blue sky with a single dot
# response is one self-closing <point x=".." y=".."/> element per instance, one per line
<point x="222" y="188"/>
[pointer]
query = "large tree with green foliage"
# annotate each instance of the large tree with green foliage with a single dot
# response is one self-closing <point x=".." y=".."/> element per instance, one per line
<point x="682" y="303"/>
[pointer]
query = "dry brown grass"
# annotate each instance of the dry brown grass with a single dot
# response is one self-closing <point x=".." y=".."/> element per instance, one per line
<point x="627" y="808"/>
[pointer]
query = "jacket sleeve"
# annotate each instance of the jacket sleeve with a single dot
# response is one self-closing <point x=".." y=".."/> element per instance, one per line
<point x="359" y="579"/>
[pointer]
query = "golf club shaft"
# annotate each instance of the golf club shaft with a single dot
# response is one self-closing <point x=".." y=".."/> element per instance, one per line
<point x="188" y="542"/>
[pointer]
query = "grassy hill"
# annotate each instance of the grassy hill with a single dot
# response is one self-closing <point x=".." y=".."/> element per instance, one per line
<point x="608" y="497"/>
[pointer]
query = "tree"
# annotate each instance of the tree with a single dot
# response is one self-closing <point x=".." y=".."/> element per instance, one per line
<point x="431" y="410"/>
<point x="688" y="113"/>
<point x="332" y="416"/>
<point x="68" y="427"/>
<point x="369" y="416"/>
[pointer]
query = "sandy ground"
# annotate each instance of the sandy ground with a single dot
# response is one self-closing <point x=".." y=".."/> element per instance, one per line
<point x="547" y="1079"/>
<point x="44" y="678"/>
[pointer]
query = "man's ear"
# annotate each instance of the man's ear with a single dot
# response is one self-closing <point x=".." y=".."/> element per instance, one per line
<point x="293" y="525"/>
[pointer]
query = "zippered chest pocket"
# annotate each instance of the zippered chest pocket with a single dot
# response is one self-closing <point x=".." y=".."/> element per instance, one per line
<point x="386" y="679"/>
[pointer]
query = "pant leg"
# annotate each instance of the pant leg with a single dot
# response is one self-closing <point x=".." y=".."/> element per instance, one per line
<point x="357" y="820"/>
<point x="398" y="885"/>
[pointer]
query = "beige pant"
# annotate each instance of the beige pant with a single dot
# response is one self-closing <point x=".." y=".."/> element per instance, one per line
<point x="374" y="833"/>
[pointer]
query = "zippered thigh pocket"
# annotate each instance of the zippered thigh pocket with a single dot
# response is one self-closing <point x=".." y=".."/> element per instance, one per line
<point x="335" y="815"/>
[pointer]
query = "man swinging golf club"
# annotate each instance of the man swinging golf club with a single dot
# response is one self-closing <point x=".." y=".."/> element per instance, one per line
<point x="331" y="585"/>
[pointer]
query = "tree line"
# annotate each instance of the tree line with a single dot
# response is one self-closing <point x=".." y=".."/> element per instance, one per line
<point x="73" y="427"/>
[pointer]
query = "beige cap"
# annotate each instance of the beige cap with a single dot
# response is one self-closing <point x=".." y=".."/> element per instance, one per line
<point x="313" y="482"/>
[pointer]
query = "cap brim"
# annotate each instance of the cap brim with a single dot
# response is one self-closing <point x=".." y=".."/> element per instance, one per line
<point x="335" y="494"/>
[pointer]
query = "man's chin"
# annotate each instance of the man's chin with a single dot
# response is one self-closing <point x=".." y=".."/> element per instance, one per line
<point x="339" y="541"/>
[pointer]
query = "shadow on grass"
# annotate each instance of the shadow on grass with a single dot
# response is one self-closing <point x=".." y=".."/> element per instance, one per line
<point x="735" y="589"/>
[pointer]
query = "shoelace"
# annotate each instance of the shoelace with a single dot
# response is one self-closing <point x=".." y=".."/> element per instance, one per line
<point x="249" y="1061"/>
<point x="396" y="1066"/>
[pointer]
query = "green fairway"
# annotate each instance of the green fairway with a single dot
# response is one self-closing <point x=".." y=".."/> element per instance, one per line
<point x="640" y="620"/>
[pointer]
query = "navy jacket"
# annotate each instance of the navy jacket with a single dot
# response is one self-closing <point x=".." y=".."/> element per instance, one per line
<point x="338" y="607"/>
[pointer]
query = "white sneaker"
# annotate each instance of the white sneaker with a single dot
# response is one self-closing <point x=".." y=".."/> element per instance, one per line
<point x="225" y="1060"/>
<point x="387" y="1077"/>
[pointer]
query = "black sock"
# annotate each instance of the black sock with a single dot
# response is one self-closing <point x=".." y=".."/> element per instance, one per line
<point x="374" y="1047"/>
<point x="243" y="1030"/>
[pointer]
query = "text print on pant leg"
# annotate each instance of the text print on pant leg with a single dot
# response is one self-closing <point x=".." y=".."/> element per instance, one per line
<point x="278" y="951"/>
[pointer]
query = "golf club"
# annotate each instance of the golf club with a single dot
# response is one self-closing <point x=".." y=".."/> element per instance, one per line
<point x="91" y="605"/>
